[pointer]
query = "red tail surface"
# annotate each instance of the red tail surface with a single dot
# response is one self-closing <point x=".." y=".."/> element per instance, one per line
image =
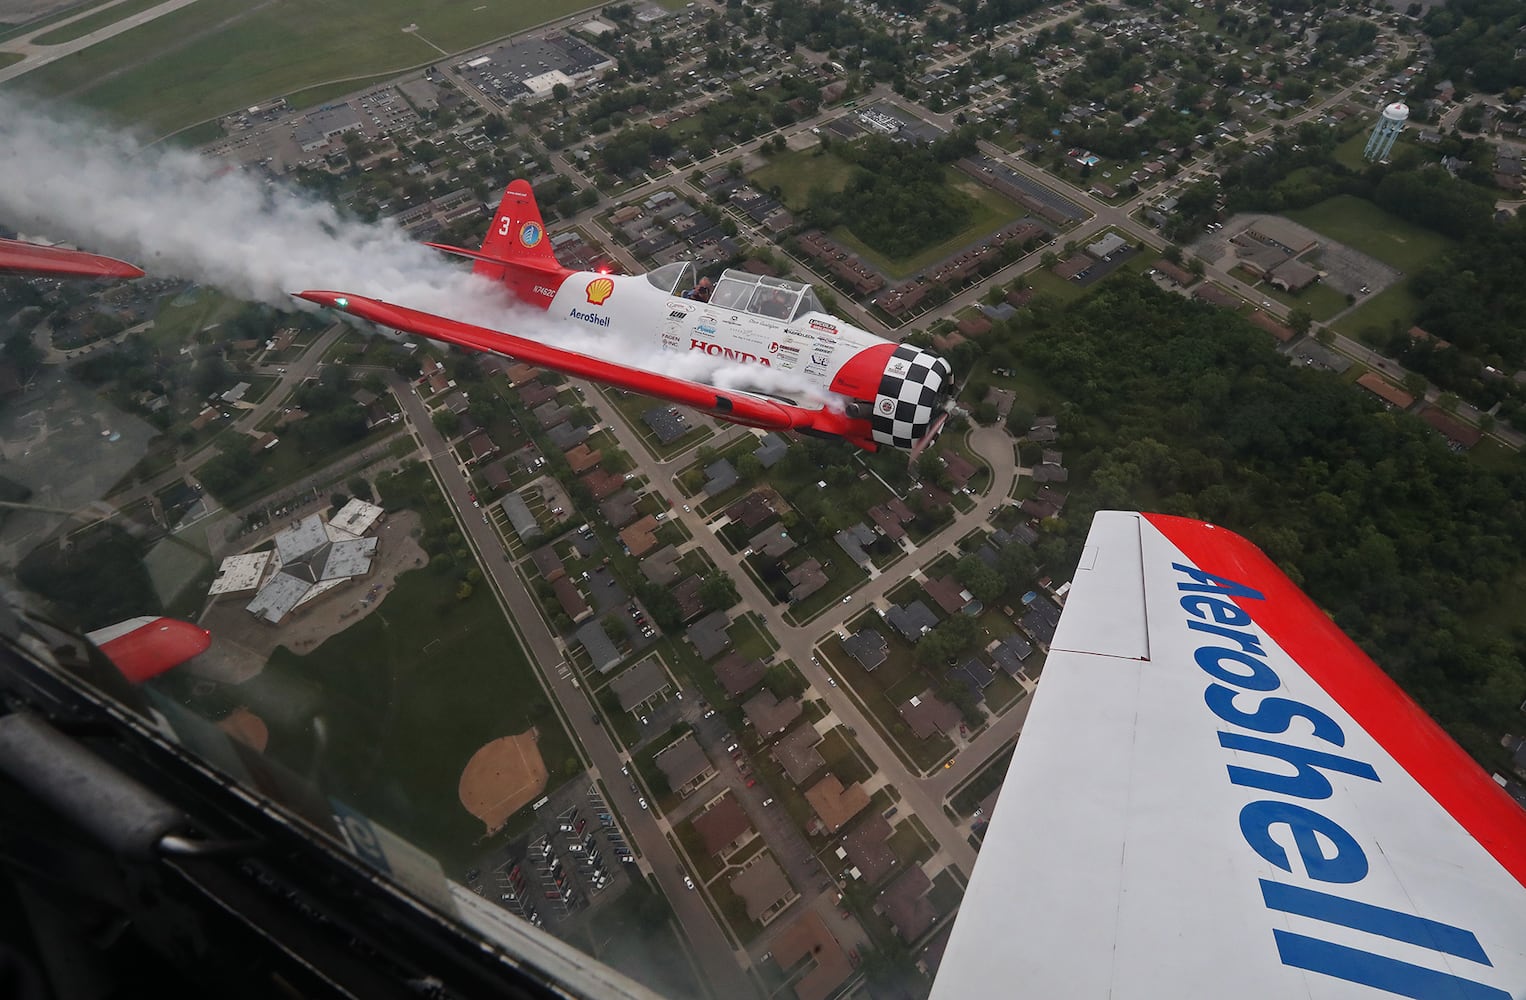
<point x="517" y="249"/>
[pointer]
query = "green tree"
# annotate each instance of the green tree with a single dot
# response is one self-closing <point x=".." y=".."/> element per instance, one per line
<point x="717" y="591"/>
<point x="1299" y="320"/>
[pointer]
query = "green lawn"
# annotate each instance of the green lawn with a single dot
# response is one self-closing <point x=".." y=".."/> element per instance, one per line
<point x="1380" y="313"/>
<point x="7" y="58"/>
<point x="795" y="174"/>
<point x="1321" y="301"/>
<point x="1360" y="224"/>
<point x="405" y="697"/>
<point x="1349" y="152"/>
<point x="100" y="19"/>
<point x="216" y="56"/>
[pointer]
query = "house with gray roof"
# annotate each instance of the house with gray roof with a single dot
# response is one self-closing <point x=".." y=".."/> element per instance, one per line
<point x="667" y="422"/>
<point x="597" y="644"/>
<point x="640" y="684"/>
<point x="661" y="567"/>
<point x="771" y="449"/>
<point x="720" y="476"/>
<point x="854" y="539"/>
<point x="868" y="647"/>
<point x="709" y="634"/>
<point x="772" y="541"/>
<point x="770" y="716"/>
<point x="518" y="512"/>
<point x="911" y="620"/>
<point x="685" y="765"/>
<point x="566" y="437"/>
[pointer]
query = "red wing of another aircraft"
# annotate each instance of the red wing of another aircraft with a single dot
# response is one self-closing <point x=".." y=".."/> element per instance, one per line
<point x="727" y="404"/>
<point x="142" y="648"/>
<point x="29" y="258"/>
<point x="1217" y="794"/>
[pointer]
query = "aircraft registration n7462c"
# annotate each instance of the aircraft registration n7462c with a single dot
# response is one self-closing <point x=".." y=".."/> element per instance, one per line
<point x="1217" y="794"/>
<point x="890" y="394"/>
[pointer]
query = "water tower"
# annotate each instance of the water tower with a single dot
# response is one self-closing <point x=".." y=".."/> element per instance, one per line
<point x="1390" y="124"/>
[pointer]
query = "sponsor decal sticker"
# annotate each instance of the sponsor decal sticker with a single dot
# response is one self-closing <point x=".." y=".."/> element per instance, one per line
<point x="530" y="234"/>
<point x="599" y="290"/>
<point x="887" y="406"/>
<point x="823" y="326"/>
<point x="717" y="351"/>
<point x="588" y="317"/>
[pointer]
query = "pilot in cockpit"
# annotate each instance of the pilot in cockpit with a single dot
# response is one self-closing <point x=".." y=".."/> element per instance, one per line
<point x="774" y="302"/>
<point x="700" y="292"/>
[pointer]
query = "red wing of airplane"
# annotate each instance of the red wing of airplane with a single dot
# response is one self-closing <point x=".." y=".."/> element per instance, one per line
<point x="733" y="405"/>
<point x="142" y="648"/>
<point x="29" y="258"/>
<point x="1217" y="794"/>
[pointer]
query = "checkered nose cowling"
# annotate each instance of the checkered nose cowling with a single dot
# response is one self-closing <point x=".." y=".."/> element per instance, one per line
<point x="911" y="395"/>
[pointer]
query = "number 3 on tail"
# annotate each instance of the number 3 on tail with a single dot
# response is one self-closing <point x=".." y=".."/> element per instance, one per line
<point x="504" y="225"/>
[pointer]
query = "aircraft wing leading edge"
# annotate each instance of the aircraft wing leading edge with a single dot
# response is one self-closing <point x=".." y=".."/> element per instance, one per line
<point x="1216" y="793"/>
<point x="17" y="257"/>
<point x="727" y="404"/>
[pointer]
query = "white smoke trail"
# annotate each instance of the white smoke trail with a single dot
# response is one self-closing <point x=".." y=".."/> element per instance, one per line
<point x="174" y="212"/>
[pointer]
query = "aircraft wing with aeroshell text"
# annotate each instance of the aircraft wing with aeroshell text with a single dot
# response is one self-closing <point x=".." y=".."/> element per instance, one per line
<point x="737" y="406"/>
<point x="1217" y="794"/>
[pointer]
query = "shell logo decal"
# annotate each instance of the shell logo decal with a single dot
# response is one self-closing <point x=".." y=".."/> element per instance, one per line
<point x="599" y="291"/>
<point x="530" y="234"/>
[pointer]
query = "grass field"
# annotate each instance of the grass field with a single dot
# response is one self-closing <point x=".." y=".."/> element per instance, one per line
<point x="1321" y="301"/>
<point x="7" y="58"/>
<point x="405" y="697"/>
<point x="216" y="56"/>
<point x="1360" y="224"/>
<point x="1379" y="313"/>
<point x="1349" y="152"/>
<point x="96" y="21"/>
<point x="795" y="174"/>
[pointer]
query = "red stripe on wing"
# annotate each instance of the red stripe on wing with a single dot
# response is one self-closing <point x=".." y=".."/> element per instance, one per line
<point x="1370" y="696"/>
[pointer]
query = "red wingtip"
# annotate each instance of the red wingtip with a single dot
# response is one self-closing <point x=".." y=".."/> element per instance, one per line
<point x="154" y="647"/>
<point x="29" y="258"/>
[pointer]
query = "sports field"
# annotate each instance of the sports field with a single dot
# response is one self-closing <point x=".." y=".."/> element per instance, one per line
<point x="217" y="56"/>
<point x="392" y="710"/>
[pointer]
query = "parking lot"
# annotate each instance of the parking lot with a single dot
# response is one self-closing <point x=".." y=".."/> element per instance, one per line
<point x="576" y="858"/>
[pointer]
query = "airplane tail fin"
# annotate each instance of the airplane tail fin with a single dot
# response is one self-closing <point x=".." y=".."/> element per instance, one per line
<point x="516" y="251"/>
<point x="517" y="235"/>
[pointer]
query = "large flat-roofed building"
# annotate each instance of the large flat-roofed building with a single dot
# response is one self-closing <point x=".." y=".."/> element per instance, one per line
<point x="307" y="560"/>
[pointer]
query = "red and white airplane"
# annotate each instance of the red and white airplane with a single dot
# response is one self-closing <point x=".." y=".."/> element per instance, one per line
<point x="891" y="394"/>
<point x="145" y="647"/>
<point x="17" y="257"/>
<point x="1217" y="794"/>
